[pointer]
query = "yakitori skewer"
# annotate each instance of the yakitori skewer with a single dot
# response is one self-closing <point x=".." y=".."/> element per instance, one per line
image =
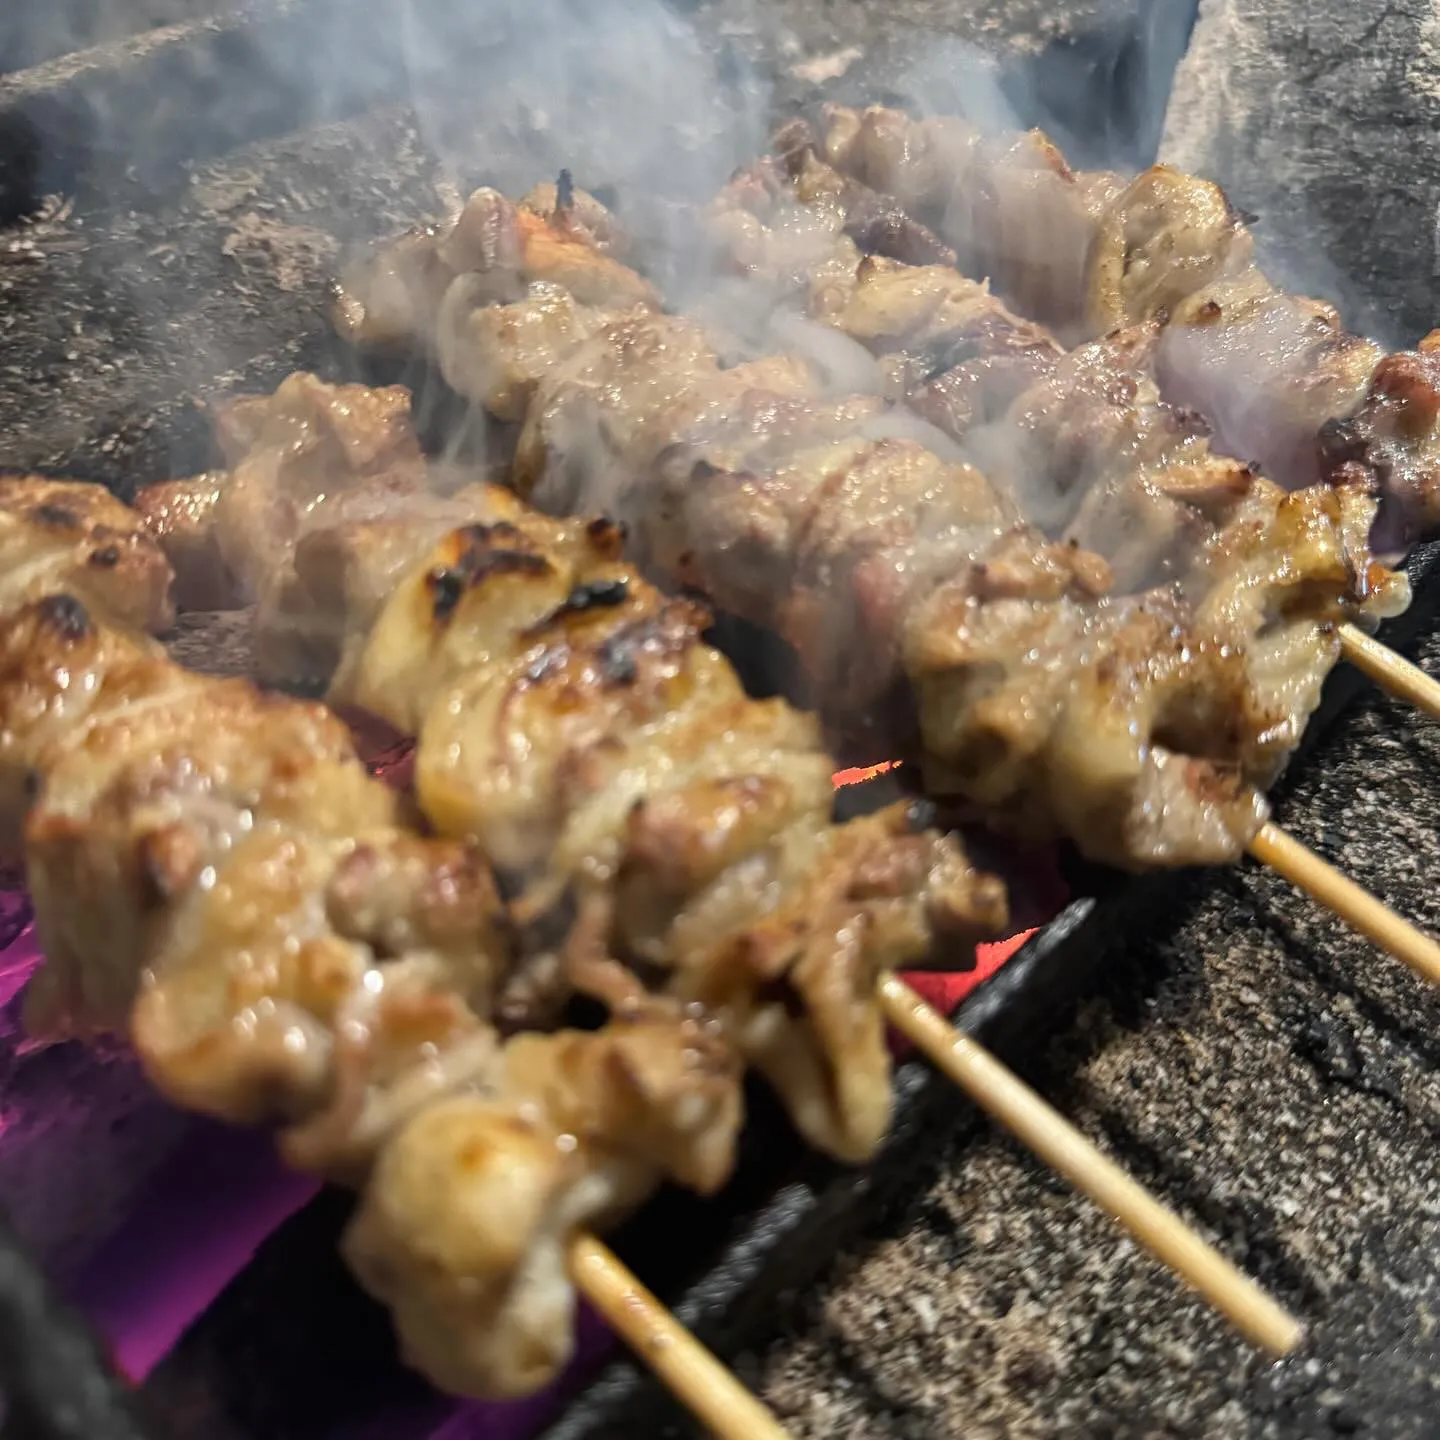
<point x="966" y="361"/>
<point x="416" y="616"/>
<point x="718" y="466"/>
<point x="1277" y="377"/>
<point x="335" y="972"/>
<point x="906" y="311"/>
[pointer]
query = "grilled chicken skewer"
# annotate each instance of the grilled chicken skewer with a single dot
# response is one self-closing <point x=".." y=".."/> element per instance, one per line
<point x="1146" y="486"/>
<point x="1269" y="370"/>
<point x="458" y="602"/>
<point x="281" y="947"/>
<point x="1099" y="458"/>
<point x="571" y="721"/>
<point x="1019" y="668"/>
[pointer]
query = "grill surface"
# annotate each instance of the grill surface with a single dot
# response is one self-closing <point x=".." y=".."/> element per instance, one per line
<point x="182" y="259"/>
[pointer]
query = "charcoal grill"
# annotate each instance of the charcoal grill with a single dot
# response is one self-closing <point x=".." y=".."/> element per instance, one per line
<point x="170" y="205"/>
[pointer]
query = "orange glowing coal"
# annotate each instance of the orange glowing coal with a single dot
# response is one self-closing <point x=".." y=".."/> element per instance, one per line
<point x="865" y="772"/>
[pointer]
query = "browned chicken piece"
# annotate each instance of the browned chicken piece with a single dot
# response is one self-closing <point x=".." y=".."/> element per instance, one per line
<point x="395" y="296"/>
<point x="64" y="535"/>
<point x="1391" y="444"/>
<point x="180" y="514"/>
<point x="1267" y="369"/>
<point x="202" y="819"/>
<point x="1086" y="719"/>
<point x="815" y="517"/>
<point x="570" y="720"/>
<point x="310" y="455"/>
<point x="344" y="572"/>
<point x="1138" y="720"/>
<point x="1084" y="253"/>
<point x="281" y="949"/>
<point x="305" y="447"/>
<point x="464" y="1226"/>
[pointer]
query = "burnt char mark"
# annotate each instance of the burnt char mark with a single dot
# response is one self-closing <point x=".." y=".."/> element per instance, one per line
<point x="617" y="659"/>
<point x="106" y="558"/>
<point x="56" y="515"/>
<point x="608" y="536"/>
<point x="448" y="584"/>
<point x="65" y="615"/>
<point x="593" y="595"/>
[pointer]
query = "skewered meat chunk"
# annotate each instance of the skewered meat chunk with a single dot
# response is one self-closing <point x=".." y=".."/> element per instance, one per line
<point x="1391" y="444"/>
<point x="570" y="719"/>
<point x="61" y="535"/>
<point x="309" y="455"/>
<point x="463" y="1227"/>
<point x="642" y="408"/>
<point x="1268" y="369"/>
<point x="282" y="949"/>
<point x="360" y="440"/>
<point x="1084" y="253"/>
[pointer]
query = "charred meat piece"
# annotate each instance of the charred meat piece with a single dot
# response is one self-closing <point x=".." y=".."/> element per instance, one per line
<point x="214" y="871"/>
<point x="1083" y="253"/>
<point x="572" y="722"/>
<point x="62" y="536"/>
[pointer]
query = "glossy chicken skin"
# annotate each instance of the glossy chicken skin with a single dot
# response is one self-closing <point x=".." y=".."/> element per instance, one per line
<point x="63" y="535"/>
<point x="879" y="560"/>
<point x="571" y="720"/>
<point x="281" y="948"/>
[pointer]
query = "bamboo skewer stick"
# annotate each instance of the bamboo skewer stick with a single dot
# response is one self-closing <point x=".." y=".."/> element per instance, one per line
<point x="1353" y="904"/>
<point x="1391" y="672"/>
<point x="1007" y="1099"/>
<point x="694" y="1376"/>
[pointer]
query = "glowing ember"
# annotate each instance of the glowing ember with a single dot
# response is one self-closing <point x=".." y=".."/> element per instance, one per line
<point x="858" y="776"/>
